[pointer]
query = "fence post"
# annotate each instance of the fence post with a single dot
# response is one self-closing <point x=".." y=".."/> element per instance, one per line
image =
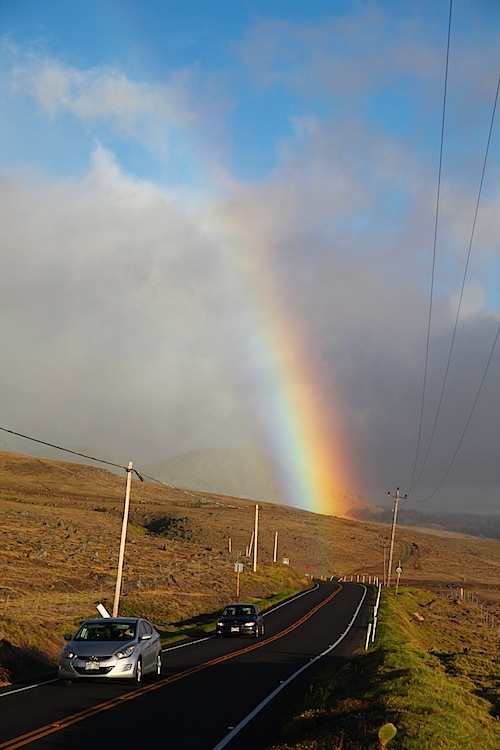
<point x="368" y="632"/>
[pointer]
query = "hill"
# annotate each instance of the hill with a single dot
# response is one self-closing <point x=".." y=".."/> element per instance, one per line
<point x="60" y="527"/>
<point x="313" y="542"/>
<point x="249" y="473"/>
<point x="257" y="475"/>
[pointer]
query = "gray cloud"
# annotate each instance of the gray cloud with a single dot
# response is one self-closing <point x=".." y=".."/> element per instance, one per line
<point x="145" y="321"/>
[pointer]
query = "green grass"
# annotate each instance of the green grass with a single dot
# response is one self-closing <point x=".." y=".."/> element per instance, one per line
<point x="418" y="676"/>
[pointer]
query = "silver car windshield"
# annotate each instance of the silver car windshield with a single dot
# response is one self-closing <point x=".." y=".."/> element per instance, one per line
<point x="98" y="632"/>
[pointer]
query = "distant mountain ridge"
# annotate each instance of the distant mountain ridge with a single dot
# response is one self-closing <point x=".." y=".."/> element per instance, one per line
<point x="249" y="473"/>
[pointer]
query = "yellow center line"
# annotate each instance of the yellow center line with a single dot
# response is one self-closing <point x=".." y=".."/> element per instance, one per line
<point x="56" y="726"/>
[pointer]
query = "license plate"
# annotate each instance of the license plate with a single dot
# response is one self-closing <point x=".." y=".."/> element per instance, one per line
<point x="91" y="665"/>
<point x="235" y="630"/>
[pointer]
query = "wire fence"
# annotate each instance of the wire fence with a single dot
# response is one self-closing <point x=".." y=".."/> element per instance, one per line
<point x="491" y="620"/>
<point x="458" y="594"/>
<point x="60" y="605"/>
<point x="63" y="601"/>
<point x="49" y="607"/>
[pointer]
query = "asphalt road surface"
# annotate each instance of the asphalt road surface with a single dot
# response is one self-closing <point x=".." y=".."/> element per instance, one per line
<point x="212" y="693"/>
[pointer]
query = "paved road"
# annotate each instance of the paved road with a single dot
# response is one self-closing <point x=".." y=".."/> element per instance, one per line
<point x="212" y="694"/>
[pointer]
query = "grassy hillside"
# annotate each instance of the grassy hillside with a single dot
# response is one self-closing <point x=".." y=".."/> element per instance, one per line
<point x="432" y="674"/>
<point x="432" y="671"/>
<point x="60" y="527"/>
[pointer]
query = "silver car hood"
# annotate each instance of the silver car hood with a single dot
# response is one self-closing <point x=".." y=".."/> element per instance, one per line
<point x="98" y="648"/>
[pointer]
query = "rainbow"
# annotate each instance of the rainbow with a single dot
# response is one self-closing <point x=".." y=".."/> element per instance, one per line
<point x="300" y="403"/>
<point x="299" y="429"/>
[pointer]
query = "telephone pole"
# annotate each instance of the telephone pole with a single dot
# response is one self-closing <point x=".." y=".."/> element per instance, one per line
<point x="118" y="586"/>
<point x="395" y="515"/>
<point x="256" y="529"/>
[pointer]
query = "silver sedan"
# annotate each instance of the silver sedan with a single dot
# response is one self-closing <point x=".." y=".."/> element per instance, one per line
<point x="125" y="648"/>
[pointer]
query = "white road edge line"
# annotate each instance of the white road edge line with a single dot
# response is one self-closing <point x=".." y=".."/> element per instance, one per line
<point x="275" y="692"/>
<point x="28" y="687"/>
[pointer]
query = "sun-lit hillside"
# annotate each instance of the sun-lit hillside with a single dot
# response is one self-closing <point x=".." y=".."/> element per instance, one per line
<point x="60" y="529"/>
<point x="199" y="522"/>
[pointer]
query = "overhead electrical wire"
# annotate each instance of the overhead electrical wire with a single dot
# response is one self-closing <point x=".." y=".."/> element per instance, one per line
<point x="414" y="482"/>
<point x="414" y="479"/>
<point x="142" y="476"/>
<point x="436" y="222"/>
<point x="68" y="450"/>
<point x="468" y="420"/>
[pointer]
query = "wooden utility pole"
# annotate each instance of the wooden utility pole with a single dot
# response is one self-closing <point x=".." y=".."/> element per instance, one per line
<point x="122" y="542"/>
<point x="395" y="515"/>
<point x="255" y="538"/>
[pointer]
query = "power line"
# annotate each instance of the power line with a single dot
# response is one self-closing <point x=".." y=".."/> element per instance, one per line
<point x="413" y="483"/>
<point x="67" y="450"/>
<point x="434" y="248"/>
<point x="468" y="419"/>
<point x="141" y="475"/>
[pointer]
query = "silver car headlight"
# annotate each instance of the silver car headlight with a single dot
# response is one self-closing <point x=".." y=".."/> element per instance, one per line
<point x="220" y="624"/>
<point x="250" y="624"/>
<point x="124" y="653"/>
<point x="68" y="653"/>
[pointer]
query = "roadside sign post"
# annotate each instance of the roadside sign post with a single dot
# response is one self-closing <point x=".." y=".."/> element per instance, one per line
<point x="399" y="570"/>
<point x="238" y="568"/>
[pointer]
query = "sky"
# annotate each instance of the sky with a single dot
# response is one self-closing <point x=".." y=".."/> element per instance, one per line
<point x="256" y="224"/>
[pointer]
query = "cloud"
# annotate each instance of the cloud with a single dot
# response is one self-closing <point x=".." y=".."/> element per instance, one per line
<point x="132" y="316"/>
<point x="148" y="318"/>
<point x="112" y="294"/>
<point x="102" y="97"/>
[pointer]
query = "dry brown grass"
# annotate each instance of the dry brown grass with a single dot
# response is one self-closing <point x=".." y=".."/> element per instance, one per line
<point x="60" y="526"/>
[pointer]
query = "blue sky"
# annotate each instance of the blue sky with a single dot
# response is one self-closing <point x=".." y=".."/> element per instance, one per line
<point x="166" y="168"/>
